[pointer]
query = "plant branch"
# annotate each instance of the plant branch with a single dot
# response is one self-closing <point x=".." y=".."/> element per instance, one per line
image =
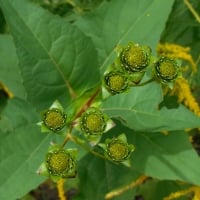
<point x="67" y="137"/>
<point x="132" y="185"/>
<point x="88" y="103"/>
<point x="145" y="83"/>
<point x="77" y="141"/>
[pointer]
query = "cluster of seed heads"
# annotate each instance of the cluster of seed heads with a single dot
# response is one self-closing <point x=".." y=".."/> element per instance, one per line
<point x="131" y="65"/>
<point x="132" y="61"/>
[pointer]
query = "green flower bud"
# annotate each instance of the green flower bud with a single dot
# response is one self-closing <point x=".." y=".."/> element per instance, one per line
<point x="117" y="149"/>
<point x="116" y="82"/>
<point x="54" y="119"/>
<point x="93" y="122"/>
<point x="60" y="163"/>
<point x="135" y="58"/>
<point x="166" y="69"/>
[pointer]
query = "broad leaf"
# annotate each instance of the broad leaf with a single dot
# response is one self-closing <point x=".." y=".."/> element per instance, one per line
<point x="138" y="110"/>
<point x="98" y="177"/>
<point x="153" y="157"/>
<point x="119" y="22"/>
<point x="22" y="149"/>
<point x="10" y="75"/>
<point x="166" y="157"/>
<point x="57" y="61"/>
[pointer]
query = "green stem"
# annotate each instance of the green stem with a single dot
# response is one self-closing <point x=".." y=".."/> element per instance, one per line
<point x="80" y="143"/>
<point x="67" y="137"/>
<point x="145" y="83"/>
<point x="88" y="103"/>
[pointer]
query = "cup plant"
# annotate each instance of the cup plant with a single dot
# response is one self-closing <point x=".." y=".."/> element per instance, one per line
<point x="92" y="122"/>
<point x="100" y="107"/>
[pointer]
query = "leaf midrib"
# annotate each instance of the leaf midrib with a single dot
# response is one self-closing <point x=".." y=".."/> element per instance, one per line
<point x="68" y="85"/>
<point x="156" y="114"/>
<point x="164" y="151"/>
<point x="123" y="36"/>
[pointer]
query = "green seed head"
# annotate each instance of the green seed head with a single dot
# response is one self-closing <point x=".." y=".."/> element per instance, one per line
<point x="166" y="69"/>
<point x="58" y="162"/>
<point x="116" y="82"/>
<point x="135" y="58"/>
<point x="54" y="119"/>
<point x="93" y="122"/>
<point x="117" y="150"/>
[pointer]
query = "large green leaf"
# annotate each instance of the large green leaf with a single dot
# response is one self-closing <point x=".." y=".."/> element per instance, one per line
<point x="121" y="21"/>
<point x="98" y="177"/>
<point x="22" y="149"/>
<point x="57" y="61"/>
<point x="166" y="157"/>
<point x="138" y="110"/>
<point x="9" y="71"/>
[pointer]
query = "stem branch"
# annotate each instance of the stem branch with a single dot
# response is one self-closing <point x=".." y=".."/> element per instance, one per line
<point x="132" y="185"/>
<point x="77" y="141"/>
<point x="145" y="83"/>
<point x="88" y="103"/>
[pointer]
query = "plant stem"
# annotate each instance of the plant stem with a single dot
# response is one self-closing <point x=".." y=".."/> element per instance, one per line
<point x="77" y="141"/>
<point x="145" y="83"/>
<point x="88" y="103"/>
<point x="132" y="185"/>
<point x="60" y="188"/>
<point x="67" y="137"/>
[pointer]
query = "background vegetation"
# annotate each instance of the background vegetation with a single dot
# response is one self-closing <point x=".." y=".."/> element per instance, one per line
<point x="46" y="43"/>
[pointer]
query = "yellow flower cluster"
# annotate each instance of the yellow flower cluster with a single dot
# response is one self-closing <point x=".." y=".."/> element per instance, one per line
<point x="177" y="51"/>
<point x="195" y="190"/>
<point x="183" y="92"/>
<point x="60" y="188"/>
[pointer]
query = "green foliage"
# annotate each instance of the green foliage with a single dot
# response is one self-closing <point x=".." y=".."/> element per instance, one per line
<point x="64" y="58"/>
<point x="10" y="73"/>
<point x="138" y="110"/>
